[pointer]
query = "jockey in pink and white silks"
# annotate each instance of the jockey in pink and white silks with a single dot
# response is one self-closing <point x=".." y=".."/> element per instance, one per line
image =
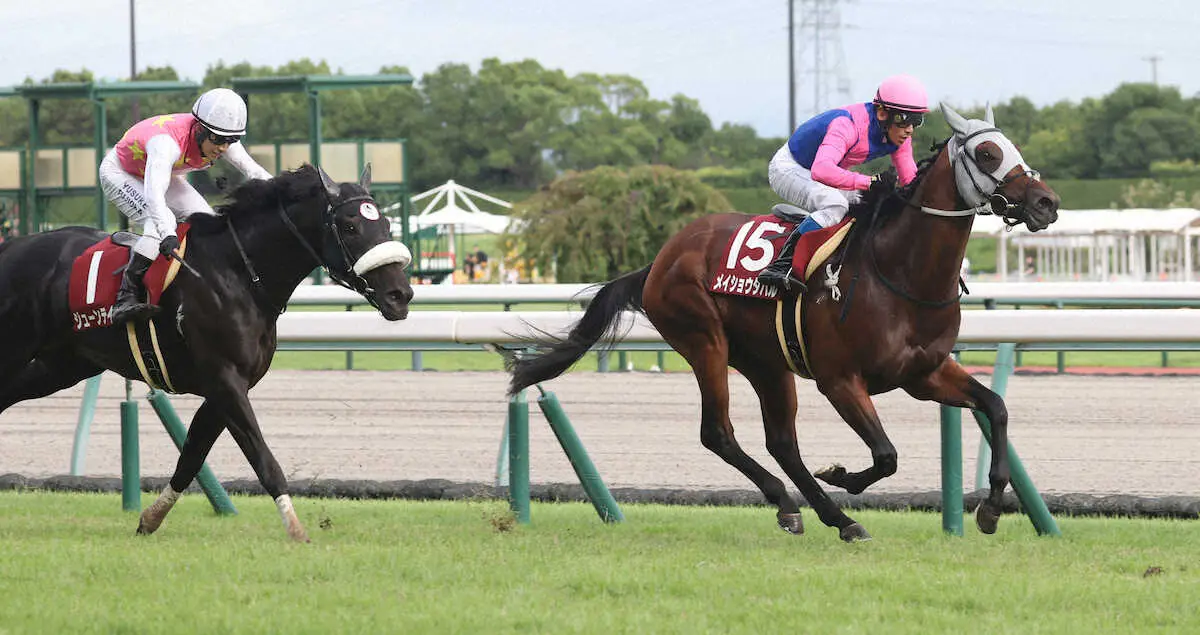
<point x="810" y="170"/>
<point x="145" y="177"/>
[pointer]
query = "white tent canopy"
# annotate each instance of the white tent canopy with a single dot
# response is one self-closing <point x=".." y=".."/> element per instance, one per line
<point x="470" y="220"/>
<point x="1100" y="244"/>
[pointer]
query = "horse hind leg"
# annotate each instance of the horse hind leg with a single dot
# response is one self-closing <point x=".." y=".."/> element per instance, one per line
<point x="46" y="374"/>
<point x="776" y="391"/>
<point x="708" y="356"/>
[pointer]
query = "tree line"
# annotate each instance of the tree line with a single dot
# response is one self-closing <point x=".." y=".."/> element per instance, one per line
<point x="517" y="125"/>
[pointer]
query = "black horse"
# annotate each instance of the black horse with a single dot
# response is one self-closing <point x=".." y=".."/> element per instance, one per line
<point x="217" y="325"/>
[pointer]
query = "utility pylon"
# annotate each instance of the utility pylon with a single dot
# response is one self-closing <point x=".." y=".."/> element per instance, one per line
<point x="823" y="59"/>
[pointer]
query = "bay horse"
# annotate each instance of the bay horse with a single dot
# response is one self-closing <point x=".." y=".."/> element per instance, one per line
<point x="896" y="327"/>
<point x="217" y="329"/>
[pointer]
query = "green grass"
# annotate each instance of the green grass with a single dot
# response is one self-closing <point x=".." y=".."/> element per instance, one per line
<point x="71" y="564"/>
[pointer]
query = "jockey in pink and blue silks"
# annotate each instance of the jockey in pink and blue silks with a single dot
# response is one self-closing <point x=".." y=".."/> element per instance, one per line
<point x="145" y="177"/>
<point x="810" y="170"/>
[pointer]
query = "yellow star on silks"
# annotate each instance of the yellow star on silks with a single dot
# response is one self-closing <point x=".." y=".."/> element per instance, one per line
<point x="162" y="120"/>
<point x="179" y="162"/>
<point x="138" y="153"/>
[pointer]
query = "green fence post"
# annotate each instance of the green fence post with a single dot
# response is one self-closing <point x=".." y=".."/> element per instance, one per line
<point x="418" y="361"/>
<point x="589" y="477"/>
<point x="217" y="496"/>
<point x="83" y="426"/>
<point x="349" y="353"/>
<point x="1061" y="356"/>
<point x="622" y="361"/>
<point x="131" y="477"/>
<point x="518" y="456"/>
<point x="502" y="457"/>
<point x="952" y="476"/>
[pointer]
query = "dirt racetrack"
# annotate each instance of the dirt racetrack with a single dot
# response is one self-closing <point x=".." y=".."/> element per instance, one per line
<point x="1094" y="435"/>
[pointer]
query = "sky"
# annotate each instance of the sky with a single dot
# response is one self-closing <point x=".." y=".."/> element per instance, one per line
<point x="730" y="55"/>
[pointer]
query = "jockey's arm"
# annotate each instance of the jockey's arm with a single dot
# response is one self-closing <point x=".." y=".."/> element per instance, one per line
<point x="839" y="138"/>
<point x="906" y="167"/>
<point x="240" y="159"/>
<point x="161" y="154"/>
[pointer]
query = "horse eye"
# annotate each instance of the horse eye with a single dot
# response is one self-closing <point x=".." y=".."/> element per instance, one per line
<point x="349" y="228"/>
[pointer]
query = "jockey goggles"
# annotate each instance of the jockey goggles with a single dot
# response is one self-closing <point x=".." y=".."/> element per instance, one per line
<point x="223" y="140"/>
<point x="902" y="118"/>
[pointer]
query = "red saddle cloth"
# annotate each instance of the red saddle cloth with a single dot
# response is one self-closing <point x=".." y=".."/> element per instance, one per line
<point x="96" y="277"/>
<point x="754" y="246"/>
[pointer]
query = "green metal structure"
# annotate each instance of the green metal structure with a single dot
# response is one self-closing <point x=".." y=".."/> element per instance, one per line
<point x="32" y="218"/>
<point x="312" y="86"/>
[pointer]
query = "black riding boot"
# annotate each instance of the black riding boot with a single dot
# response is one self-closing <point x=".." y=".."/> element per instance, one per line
<point x="778" y="274"/>
<point x="131" y="297"/>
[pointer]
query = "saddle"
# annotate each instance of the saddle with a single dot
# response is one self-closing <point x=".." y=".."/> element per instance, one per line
<point x="96" y="277"/>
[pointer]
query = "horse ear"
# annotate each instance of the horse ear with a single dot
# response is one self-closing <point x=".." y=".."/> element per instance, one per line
<point x="364" y="179"/>
<point x="989" y="117"/>
<point x="330" y="187"/>
<point x="957" y="122"/>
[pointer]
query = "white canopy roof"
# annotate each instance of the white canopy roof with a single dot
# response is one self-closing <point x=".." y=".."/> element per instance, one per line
<point x="1088" y="222"/>
<point x="470" y="220"/>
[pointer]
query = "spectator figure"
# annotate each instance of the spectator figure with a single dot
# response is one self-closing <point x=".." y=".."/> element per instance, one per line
<point x="481" y="261"/>
<point x="469" y="266"/>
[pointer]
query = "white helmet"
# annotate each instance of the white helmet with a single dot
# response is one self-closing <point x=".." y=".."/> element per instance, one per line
<point x="222" y="111"/>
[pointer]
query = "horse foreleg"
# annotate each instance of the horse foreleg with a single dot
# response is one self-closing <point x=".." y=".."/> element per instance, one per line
<point x="951" y="385"/>
<point x="207" y="424"/>
<point x="777" y="396"/>
<point x="243" y="426"/>
<point x="853" y="402"/>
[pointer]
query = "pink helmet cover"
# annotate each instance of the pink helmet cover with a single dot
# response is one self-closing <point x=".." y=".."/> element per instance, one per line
<point x="902" y="92"/>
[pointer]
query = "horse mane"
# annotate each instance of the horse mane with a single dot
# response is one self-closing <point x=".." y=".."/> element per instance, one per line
<point x="873" y="206"/>
<point x="257" y="196"/>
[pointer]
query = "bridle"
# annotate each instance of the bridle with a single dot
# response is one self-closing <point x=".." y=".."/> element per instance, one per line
<point x="986" y="203"/>
<point x="337" y="262"/>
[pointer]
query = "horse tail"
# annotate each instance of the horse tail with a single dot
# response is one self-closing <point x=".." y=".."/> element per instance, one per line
<point x="599" y="321"/>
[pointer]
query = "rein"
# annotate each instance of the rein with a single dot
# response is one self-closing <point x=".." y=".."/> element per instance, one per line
<point x="894" y="288"/>
<point x="986" y="208"/>
<point x="329" y="226"/>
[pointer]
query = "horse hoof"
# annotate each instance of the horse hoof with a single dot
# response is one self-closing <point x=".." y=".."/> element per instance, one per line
<point x="298" y="534"/>
<point x="791" y="523"/>
<point x="834" y="474"/>
<point x="986" y="518"/>
<point x="854" y="533"/>
<point x="147" y="526"/>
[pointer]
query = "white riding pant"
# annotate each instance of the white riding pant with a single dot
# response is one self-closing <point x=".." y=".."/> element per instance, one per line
<point x="128" y="194"/>
<point x="826" y="205"/>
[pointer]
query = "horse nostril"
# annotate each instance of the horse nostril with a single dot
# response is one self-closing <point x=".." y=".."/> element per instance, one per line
<point x="401" y="296"/>
<point x="1047" y="204"/>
